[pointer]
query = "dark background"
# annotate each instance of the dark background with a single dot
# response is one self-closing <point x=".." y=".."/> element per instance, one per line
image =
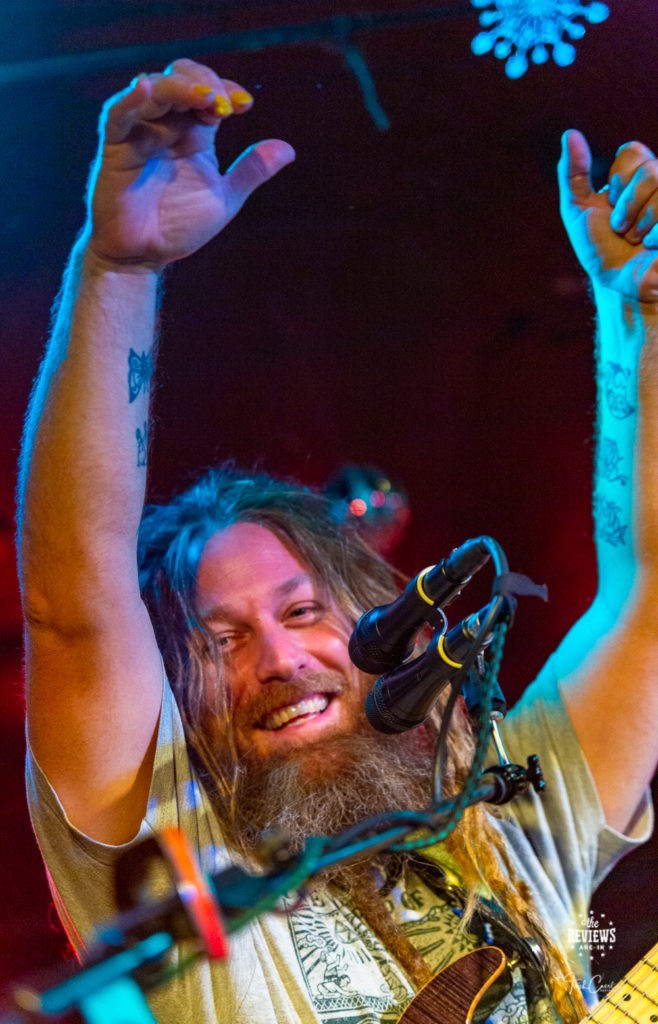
<point x="405" y="297"/>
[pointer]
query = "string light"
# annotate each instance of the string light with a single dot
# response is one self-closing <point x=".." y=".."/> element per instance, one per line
<point x="522" y="29"/>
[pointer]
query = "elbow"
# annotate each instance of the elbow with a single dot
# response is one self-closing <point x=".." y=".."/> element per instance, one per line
<point x="49" y="614"/>
<point x="77" y="601"/>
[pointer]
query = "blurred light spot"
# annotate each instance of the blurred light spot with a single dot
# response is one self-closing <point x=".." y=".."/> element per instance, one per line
<point x="358" y="507"/>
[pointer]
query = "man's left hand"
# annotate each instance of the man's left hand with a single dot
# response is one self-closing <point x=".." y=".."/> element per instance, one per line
<point x="614" y="232"/>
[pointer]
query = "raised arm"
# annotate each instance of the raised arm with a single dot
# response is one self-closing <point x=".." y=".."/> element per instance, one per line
<point x="608" y="663"/>
<point x="94" y="680"/>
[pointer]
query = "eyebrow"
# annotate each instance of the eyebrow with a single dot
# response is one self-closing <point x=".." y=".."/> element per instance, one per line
<point x="227" y="612"/>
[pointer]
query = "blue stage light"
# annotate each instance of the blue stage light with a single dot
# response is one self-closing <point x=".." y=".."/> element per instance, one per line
<point x="519" y="31"/>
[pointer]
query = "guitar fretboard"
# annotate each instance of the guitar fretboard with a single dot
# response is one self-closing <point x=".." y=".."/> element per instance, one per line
<point x="634" y="999"/>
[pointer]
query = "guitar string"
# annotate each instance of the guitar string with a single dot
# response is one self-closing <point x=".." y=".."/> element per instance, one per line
<point x="644" y="977"/>
<point x="636" y="1000"/>
<point x="636" y="980"/>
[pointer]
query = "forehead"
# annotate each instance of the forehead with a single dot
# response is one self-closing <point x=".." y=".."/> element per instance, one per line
<point x="246" y="562"/>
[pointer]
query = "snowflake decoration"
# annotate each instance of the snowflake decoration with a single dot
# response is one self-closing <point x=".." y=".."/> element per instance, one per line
<point x="529" y="27"/>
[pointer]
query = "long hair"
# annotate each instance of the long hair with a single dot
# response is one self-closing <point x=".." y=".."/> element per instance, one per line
<point x="172" y="538"/>
<point x="171" y="542"/>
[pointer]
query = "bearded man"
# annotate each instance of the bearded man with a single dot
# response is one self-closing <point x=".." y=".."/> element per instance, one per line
<point x="248" y="591"/>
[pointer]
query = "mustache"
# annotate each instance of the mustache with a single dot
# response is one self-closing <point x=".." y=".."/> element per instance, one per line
<point x="278" y="694"/>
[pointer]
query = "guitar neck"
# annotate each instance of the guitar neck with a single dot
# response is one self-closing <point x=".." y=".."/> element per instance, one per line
<point x="633" y="1000"/>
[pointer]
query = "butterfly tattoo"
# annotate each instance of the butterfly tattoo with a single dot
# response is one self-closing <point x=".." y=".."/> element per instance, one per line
<point x="140" y="370"/>
<point x="142" y="444"/>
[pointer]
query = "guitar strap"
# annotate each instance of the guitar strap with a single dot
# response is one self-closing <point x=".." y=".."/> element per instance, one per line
<point x="491" y="925"/>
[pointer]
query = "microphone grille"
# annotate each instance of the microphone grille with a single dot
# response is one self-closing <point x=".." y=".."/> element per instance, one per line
<point x="379" y="716"/>
<point x="370" y="658"/>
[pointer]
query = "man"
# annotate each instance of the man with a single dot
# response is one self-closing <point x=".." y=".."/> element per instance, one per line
<point x="252" y="595"/>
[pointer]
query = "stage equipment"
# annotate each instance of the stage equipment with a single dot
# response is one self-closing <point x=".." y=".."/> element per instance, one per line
<point x="404" y="697"/>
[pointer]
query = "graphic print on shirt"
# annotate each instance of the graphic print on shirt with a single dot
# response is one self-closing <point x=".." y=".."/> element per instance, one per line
<point x="349" y="974"/>
<point x="350" y="977"/>
<point x="430" y="922"/>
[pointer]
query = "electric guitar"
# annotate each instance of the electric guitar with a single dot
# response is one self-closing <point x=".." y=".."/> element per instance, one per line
<point x="457" y="995"/>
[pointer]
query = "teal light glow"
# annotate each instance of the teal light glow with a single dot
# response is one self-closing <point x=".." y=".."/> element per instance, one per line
<point x="521" y="30"/>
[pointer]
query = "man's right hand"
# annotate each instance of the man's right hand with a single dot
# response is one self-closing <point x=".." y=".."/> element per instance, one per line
<point x="156" y="193"/>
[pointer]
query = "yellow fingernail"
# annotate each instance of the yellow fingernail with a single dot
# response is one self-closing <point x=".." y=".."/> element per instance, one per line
<point x="240" y="98"/>
<point x="202" y="90"/>
<point x="222" y="107"/>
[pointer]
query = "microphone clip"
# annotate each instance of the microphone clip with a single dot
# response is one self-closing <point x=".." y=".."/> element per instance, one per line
<point x="512" y="780"/>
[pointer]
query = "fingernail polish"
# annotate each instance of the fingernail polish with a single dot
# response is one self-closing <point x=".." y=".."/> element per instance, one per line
<point x="240" y="98"/>
<point x="222" y="107"/>
<point x="202" y="90"/>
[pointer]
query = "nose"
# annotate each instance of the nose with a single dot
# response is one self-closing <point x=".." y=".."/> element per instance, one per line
<point x="280" y="655"/>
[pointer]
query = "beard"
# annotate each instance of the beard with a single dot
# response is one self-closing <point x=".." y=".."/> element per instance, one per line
<point x="328" y="786"/>
<point x="322" y="788"/>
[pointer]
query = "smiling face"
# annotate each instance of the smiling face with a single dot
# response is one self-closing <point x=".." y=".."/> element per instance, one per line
<point x="283" y="641"/>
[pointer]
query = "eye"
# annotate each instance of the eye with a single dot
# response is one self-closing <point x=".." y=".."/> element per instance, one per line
<point x="226" y="643"/>
<point x="305" y="612"/>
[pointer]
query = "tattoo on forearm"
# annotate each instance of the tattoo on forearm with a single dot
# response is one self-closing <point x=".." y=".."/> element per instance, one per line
<point x="609" y="527"/>
<point x="142" y="442"/>
<point x="617" y="386"/>
<point x="610" y="461"/>
<point x="140" y="371"/>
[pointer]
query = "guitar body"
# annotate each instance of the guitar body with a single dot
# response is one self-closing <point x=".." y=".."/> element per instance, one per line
<point x="453" y="995"/>
<point x="465" y="990"/>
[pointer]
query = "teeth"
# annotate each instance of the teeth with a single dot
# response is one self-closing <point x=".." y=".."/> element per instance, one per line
<point x="308" y="706"/>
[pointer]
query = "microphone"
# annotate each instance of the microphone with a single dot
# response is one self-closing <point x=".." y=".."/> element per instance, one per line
<point x="385" y="636"/>
<point x="403" y="699"/>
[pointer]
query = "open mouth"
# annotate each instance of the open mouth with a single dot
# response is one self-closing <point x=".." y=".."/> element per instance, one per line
<point x="301" y="711"/>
